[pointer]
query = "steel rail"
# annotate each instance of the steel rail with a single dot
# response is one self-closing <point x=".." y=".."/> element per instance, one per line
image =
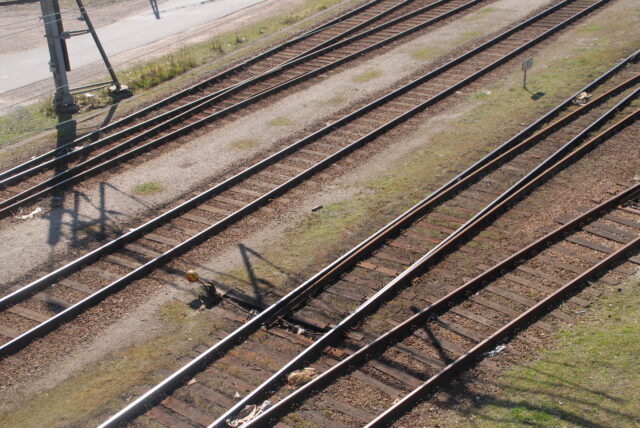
<point x="534" y="177"/>
<point x="198" y="86"/>
<point x="513" y="327"/>
<point x="22" y="340"/>
<point x="190" y="369"/>
<point x="440" y="306"/>
<point x="193" y="108"/>
<point x="34" y="165"/>
<point x="136" y="233"/>
<point x="349" y="32"/>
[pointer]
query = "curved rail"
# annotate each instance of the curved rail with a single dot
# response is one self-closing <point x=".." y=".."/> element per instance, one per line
<point x="454" y="298"/>
<point x="505" y="332"/>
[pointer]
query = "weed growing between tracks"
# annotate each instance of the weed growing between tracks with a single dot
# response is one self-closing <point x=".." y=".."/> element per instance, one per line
<point x="147" y="188"/>
<point x="281" y="121"/>
<point x="590" y="378"/>
<point x="424" y="53"/>
<point x="433" y="49"/>
<point x="147" y="75"/>
<point x="244" y="144"/>
<point x="366" y="76"/>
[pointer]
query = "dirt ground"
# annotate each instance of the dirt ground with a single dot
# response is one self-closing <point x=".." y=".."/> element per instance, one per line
<point x="203" y="159"/>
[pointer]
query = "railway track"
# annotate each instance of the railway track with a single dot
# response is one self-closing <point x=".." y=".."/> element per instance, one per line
<point x="472" y="318"/>
<point x="29" y="313"/>
<point x="321" y="51"/>
<point x="474" y="337"/>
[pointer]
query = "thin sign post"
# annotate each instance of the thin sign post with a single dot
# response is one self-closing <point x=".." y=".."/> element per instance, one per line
<point x="526" y="65"/>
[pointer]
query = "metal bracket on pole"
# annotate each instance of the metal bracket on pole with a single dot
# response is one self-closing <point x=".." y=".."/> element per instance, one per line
<point x="59" y="64"/>
<point x="69" y="34"/>
<point x="116" y="90"/>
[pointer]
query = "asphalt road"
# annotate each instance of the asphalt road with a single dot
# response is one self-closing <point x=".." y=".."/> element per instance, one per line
<point x="31" y="66"/>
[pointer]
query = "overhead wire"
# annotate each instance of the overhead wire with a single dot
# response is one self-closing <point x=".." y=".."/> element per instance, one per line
<point x="40" y="17"/>
<point x="61" y="11"/>
<point x="26" y="29"/>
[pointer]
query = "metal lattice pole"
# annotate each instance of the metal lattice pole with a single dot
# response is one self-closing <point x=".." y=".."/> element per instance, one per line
<point x="58" y="63"/>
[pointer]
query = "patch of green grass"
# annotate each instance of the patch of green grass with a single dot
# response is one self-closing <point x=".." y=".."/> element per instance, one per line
<point x="481" y="94"/>
<point x="244" y="144"/>
<point x="281" y="121"/>
<point x="468" y="35"/>
<point x="24" y="120"/>
<point x="522" y="415"/>
<point x="424" y="53"/>
<point x="215" y="46"/>
<point x="291" y="18"/>
<point x="147" y="188"/>
<point x="491" y="234"/>
<point x="366" y="76"/>
<point x="151" y="73"/>
<point x="488" y="9"/>
<point x="590" y="378"/>
<point x="588" y="28"/>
